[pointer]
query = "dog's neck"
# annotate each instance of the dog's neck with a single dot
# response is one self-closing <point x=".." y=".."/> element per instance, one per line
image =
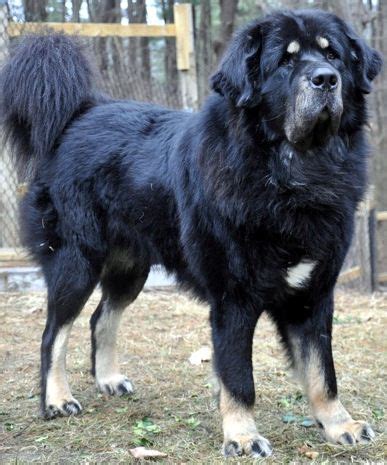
<point x="321" y="178"/>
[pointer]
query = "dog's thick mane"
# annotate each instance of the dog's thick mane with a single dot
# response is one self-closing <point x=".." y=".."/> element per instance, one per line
<point x="251" y="156"/>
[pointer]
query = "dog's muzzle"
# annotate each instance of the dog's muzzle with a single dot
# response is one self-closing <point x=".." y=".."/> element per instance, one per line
<point x="314" y="112"/>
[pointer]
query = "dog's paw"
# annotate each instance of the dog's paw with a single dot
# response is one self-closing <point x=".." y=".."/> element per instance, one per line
<point x="348" y="433"/>
<point x="65" y="408"/>
<point x="115" y="385"/>
<point x="255" y="446"/>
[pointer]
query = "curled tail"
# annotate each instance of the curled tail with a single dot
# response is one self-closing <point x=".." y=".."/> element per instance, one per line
<point x="46" y="81"/>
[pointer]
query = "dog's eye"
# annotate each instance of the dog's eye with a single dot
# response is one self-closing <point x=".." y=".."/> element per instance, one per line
<point x="331" y="55"/>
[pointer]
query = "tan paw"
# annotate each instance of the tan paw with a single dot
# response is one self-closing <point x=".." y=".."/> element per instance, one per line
<point x="115" y="385"/>
<point x="349" y="432"/>
<point x="63" y="407"/>
<point x="253" y="445"/>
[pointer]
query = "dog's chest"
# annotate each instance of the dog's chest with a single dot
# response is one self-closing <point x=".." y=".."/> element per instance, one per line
<point x="298" y="276"/>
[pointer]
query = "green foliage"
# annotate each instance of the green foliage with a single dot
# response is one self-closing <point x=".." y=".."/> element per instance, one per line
<point x="192" y="422"/>
<point x="345" y="320"/>
<point x="144" y="431"/>
<point x="290" y="400"/>
<point x="378" y="413"/>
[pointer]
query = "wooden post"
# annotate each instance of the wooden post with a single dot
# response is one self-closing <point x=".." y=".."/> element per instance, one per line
<point x="186" y="55"/>
<point x="381" y="247"/>
<point x="365" y="244"/>
<point x="372" y="227"/>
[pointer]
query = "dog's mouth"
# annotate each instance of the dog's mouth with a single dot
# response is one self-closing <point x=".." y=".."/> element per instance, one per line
<point x="320" y="129"/>
<point x="313" y="119"/>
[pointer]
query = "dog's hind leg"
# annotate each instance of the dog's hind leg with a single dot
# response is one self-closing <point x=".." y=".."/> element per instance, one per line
<point x="308" y="342"/>
<point x="70" y="281"/>
<point x="121" y="283"/>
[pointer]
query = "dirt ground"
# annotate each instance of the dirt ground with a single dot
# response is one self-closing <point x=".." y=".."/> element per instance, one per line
<point x="172" y="409"/>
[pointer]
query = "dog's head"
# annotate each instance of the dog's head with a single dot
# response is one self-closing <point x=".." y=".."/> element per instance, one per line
<point x="303" y="71"/>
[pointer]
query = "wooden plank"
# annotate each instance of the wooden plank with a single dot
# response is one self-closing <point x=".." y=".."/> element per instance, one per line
<point x="349" y="275"/>
<point x="4" y="266"/>
<point x="13" y="255"/>
<point x="96" y="29"/>
<point x="184" y="35"/>
<point x="381" y="216"/>
<point x="382" y="278"/>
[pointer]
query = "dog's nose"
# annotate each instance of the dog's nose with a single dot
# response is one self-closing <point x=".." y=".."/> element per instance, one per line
<point x="324" y="78"/>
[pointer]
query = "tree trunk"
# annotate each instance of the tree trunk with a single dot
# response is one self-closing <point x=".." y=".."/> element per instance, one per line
<point x="76" y="7"/>
<point x="63" y="12"/>
<point x="35" y="10"/>
<point x="170" y="65"/>
<point x="139" y="52"/>
<point x="105" y="48"/>
<point x="228" y="10"/>
<point x="338" y="7"/>
<point x="204" y="49"/>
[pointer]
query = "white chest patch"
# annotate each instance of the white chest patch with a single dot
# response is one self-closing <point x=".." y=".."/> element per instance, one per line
<point x="298" y="276"/>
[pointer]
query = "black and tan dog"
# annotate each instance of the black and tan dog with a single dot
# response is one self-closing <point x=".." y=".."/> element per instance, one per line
<point x="250" y="202"/>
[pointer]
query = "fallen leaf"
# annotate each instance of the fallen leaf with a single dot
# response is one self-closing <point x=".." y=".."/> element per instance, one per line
<point x="34" y="310"/>
<point x="143" y="453"/>
<point x="312" y="454"/>
<point x="308" y="452"/>
<point x="204" y="354"/>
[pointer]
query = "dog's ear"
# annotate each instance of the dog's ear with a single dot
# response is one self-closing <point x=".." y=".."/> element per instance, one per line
<point x="238" y="75"/>
<point x="367" y="61"/>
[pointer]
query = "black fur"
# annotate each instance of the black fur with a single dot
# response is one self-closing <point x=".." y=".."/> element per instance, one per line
<point x="221" y="197"/>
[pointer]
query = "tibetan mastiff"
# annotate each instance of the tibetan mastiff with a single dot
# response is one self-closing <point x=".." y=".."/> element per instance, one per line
<point x="250" y="202"/>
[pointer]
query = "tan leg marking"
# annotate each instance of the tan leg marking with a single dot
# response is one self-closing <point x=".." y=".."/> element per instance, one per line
<point x="107" y="374"/>
<point x="58" y="394"/>
<point x="239" y="429"/>
<point x="337" y="424"/>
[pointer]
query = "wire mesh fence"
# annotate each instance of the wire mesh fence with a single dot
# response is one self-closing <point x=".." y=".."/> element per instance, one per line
<point x="8" y="179"/>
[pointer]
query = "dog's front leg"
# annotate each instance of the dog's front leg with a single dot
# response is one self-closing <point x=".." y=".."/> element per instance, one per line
<point x="232" y="333"/>
<point x="309" y="344"/>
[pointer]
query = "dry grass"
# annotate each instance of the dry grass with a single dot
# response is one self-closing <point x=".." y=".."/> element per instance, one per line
<point x="158" y="334"/>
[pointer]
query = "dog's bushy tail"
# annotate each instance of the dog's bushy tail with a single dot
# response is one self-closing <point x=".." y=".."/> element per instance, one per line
<point x="46" y="81"/>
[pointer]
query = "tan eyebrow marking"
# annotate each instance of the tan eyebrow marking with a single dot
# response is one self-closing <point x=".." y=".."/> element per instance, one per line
<point x="293" y="47"/>
<point x="322" y="42"/>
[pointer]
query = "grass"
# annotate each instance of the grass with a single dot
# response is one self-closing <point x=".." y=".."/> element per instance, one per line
<point x="172" y="409"/>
